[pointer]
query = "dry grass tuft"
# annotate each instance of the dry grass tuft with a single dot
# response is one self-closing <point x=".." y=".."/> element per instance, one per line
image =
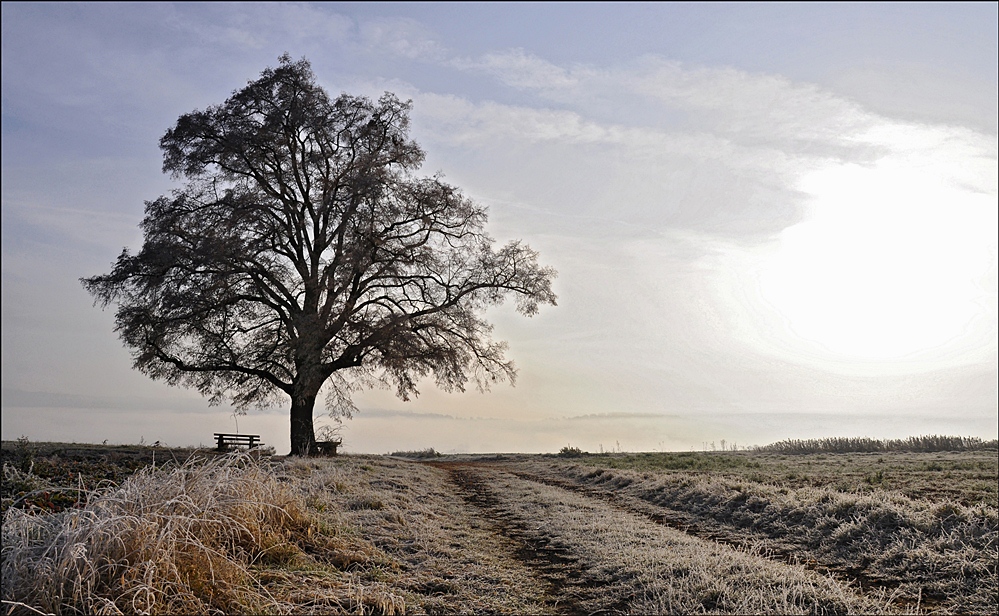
<point x="187" y="540"/>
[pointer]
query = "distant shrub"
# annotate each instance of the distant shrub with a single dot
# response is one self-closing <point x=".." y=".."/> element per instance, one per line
<point x="869" y="445"/>
<point x="571" y="452"/>
<point x="24" y="455"/>
<point x="429" y="452"/>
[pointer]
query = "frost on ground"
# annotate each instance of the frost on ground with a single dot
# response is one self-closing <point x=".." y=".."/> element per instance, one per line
<point x="237" y="535"/>
<point x="381" y="535"/>
<point x="935" y="554"/>
<point x="623" y="562"/>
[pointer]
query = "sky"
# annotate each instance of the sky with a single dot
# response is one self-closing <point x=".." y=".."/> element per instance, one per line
<point x="770" y="221"/>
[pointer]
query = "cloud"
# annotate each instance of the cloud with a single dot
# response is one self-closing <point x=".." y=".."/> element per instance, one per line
<point x="176" y="403"/>
<point x="922" y="93"/>
<point x="751" y="108"/>
<point x="704" y="209"/>
<point x="519" y="69"/>
<point x="713" y="150"/>
<point x="646" y="176"/>
<point x="259" y="26"/>
<point x="402" y="37"/>
<point x="412" y="415"/>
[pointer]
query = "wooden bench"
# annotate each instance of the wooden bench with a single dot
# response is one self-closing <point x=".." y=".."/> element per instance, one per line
<point x="327" y="448"/>
<point x="226" y="440"/>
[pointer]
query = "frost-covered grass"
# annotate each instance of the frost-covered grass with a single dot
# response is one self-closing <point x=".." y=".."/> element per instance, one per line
<point x="179" y="541"/>
<point x="210" y="536"/>
<point x="647" y="568"/>
<point x="968" y="477"/>
<point x="235" y="534"/>
<point x="935" y="552"/>
<point x="378" y="535"/>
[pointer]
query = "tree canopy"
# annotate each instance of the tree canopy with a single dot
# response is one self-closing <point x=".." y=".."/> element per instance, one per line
<point x="303" y="253"/>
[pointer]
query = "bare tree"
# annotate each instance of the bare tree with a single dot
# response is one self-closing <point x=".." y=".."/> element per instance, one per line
<point x="303" y="253"/>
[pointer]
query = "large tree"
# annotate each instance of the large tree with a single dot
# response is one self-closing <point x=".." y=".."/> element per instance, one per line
<point x="302" y="253"/>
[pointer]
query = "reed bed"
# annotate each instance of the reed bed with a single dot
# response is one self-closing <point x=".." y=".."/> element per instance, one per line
<point x="924" y="443"/>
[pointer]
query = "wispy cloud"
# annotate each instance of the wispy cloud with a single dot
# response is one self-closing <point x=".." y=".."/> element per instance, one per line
<point x="16" y="398"/>
<point x="733" y="179"/>
<point x="259" y="26"/>
<point x="403" y="37"/>
<point x="519" y="69"/>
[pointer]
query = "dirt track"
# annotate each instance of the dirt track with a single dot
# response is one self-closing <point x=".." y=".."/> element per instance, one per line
<point x="596" y="555"/>
<point x="710" y="531"/>
<point x="569" y="588"/>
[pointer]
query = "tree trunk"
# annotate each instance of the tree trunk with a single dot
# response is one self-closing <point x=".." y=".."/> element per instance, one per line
<point x="303" y="435"/>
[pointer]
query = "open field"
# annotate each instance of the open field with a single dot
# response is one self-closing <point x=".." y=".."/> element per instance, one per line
<point x="726" y="532"/>
<point x="968" y="477"/>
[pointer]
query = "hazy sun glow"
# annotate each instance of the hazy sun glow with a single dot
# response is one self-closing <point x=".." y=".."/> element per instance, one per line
<point x="892" y="260"/>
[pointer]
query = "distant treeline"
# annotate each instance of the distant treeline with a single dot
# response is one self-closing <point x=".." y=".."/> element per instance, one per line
<point x="872" y="445"/>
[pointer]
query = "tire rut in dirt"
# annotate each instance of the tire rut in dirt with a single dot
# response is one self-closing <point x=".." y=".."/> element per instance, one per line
<point x="571" y="589"/>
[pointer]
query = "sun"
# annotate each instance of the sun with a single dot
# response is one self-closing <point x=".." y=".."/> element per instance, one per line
<point x="892" y="260"/>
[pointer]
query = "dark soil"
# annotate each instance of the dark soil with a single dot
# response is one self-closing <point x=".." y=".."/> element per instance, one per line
<point x="55" y="476"/>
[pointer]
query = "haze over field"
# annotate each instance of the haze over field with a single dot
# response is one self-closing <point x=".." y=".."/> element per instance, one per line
<point x="769" y="221"/>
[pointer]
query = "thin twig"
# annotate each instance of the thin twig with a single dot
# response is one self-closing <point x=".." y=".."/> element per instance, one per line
<point x="14" y="604"/>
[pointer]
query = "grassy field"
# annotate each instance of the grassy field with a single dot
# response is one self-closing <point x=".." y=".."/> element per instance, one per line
<point x="103" y="529"/>
<point x="967" y="477"/>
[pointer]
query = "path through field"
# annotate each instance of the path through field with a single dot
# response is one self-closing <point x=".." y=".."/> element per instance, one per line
<point x="594" y="557"/>
<point x="568" y="585"/>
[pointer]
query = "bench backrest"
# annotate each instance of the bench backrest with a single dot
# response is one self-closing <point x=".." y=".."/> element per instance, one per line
<point x="223" y="439"/>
